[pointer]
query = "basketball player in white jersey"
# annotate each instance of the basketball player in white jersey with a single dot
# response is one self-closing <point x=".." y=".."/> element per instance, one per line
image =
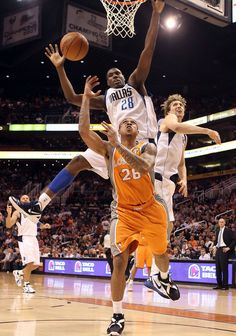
<point x="28" y="244"/>
<point x="171" y="142"/>
<point x="121" y="100"/>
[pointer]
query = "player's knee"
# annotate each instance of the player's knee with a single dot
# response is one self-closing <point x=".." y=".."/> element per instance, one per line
<point x="162" y="250"/>
<point x="78" y="164"/>
<point x="119" y="264"/>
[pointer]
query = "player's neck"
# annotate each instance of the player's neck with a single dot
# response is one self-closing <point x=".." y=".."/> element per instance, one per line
<point x="128" y="143"/>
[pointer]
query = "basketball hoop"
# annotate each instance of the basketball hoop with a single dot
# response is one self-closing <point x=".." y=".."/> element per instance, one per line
<point x="120" y="16"/>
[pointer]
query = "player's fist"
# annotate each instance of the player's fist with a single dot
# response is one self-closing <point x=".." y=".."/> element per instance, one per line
<point x="158" y="5"/>
<point x="215" y="136"/>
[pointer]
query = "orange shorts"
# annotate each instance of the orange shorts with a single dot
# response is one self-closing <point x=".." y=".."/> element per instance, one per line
<point x="127" y="224"/>
<point x="143" y="256"/>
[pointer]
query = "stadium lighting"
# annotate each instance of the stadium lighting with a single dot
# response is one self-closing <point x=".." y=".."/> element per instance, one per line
<point x="172" y="23"/>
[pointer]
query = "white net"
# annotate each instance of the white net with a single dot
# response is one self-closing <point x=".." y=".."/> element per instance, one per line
<point x="120" y="16"/>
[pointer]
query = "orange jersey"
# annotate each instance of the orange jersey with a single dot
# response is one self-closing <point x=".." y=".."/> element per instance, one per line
<point x="130" y="188"/>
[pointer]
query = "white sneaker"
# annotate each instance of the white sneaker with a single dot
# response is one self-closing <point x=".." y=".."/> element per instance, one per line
<point x="18" y="274"/>
<point x="28" y="289"/>
<point x="130" y="286"/>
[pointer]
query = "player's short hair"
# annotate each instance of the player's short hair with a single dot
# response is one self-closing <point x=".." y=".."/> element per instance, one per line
<point x="123" y="120"/>
<point x="113" y="68"/>
<point x="166" y="105"/>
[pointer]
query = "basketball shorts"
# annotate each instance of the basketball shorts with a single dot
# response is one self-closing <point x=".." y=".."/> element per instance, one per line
<point x="127" y="223"/>
<point x="97" y="162"/>
<point x="29" y="250"/>
<point x="166" y="189"/>
<point x="143" y="256"/>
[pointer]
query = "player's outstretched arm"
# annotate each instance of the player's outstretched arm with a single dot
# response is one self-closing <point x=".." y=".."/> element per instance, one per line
<point x="140" y="74"/>
<point x="91" y="138"/>
<point x="52" y="53"/>
<point x="172" y="123"/>
<point x="11" y="218"/>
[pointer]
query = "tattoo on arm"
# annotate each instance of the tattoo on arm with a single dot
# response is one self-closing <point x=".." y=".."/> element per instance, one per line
<point x="135" y="161"/>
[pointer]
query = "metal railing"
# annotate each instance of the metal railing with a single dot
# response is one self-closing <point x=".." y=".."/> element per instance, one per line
<point x="223" y="213"/>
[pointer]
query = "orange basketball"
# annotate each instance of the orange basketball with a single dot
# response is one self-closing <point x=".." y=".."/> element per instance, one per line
<point x="74" y="46"/>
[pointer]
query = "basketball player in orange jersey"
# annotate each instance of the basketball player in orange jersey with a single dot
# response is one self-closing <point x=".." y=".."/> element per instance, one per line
<point x="143" y="256"/>
<point x="135" y="210"/>
<point x="121" y="100"/>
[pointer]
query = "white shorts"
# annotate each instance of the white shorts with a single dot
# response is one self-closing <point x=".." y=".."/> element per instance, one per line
<point x="166" y="189"/>
<point x="29" y="250"/>
<point x="97" y="162"/>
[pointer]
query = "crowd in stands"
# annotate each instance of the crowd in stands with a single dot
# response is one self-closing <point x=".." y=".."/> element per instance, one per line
<point x="51" y="107"/>
<point x="78" y="226"/>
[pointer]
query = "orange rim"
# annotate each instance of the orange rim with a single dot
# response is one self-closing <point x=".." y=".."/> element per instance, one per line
<point x="123" y="3"/>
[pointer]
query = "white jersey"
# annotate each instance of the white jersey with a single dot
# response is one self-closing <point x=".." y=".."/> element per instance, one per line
<point x="170" y="147"/>
<point x="26" y="227"/>
<point x="126" y="102"/>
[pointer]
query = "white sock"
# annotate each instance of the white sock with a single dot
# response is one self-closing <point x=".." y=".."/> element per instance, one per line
<point x="117" y="307"/>
<point x="21" y="272"/>
<point x="131" y="282"/>
<point x="26" y="283"/>
<point x="164" y="275"/>
<point x="44" y="200"/>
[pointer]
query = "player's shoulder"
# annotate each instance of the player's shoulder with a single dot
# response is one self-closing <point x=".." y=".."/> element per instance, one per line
<point x="149" y="148"/>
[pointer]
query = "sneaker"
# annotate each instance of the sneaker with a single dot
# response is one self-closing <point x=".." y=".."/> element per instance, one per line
<point x="117" y="325"/>
<point x="164" y="287"/>
<point x="130" y="286"/>
<point x="18" y="277"/>
<point x="31" y="209"/>
<point x="28" y="289"/>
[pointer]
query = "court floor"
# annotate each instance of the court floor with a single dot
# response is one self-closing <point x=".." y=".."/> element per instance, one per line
<point x="68" y="306"/>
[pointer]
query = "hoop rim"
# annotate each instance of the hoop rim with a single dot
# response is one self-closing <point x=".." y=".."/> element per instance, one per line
<point x="123" y="3"/>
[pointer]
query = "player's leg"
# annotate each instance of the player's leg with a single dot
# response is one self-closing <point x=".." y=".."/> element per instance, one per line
<point x="139" y="263"/>
<point x="31" y="257"/>
<point x="89" y="160"/>
<point x="156" y="236"/>
<point x="18" y="273"/>
<point x="130" y="280"/>
<point x="165" y="190"/>
<point x="120" y="262"/>
<point x="124" y="241"/>
<point x="27" y="288"/>
<point x="148" y="261"/>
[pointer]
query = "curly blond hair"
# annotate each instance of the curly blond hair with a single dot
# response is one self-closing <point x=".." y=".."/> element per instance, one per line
<point x="166" y="105"/>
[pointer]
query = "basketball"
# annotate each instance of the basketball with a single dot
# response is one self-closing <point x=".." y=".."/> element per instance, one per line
<point x="74" y="46"/>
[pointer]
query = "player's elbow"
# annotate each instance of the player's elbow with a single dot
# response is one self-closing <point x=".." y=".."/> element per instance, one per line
<point x="83" y="132"/>
<point x="70" y="99"/>
<point x="85" y="135"/>
<point x="177" y="128"/>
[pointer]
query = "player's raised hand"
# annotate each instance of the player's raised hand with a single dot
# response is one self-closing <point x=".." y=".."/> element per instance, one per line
<point x="53" y="54"/>
<point x="90" y="84"/>
<point x="111" y="134"/>
<point x="158" y="5"/>
<point x="215" y="136"/>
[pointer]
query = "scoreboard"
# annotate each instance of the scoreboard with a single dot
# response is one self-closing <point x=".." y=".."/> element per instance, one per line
<point x="218" y="12"/>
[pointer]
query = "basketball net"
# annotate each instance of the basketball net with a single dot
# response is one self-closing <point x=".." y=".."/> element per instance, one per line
<point x="120" y="16"/>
